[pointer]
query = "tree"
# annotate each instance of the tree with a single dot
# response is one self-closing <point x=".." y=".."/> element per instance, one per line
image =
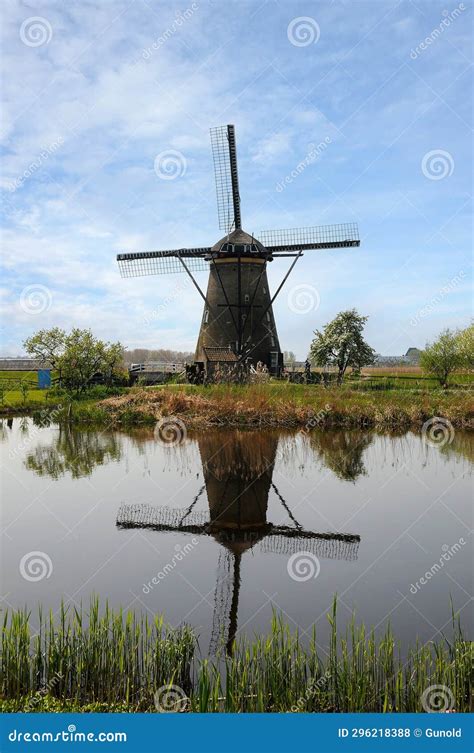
<point x="77" y="356"/>
<point x="47" y="345"/>
<point x="465" y="340"/>
<point x="442" y="357"/>
<point x="24" y="389"/>
<point x="112" y="362"/>
<point x="289" y="357"/>
<point x="341" y="344"/>
<point x="82" y="358"/>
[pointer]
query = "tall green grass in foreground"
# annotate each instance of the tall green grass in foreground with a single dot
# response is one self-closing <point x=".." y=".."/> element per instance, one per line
<point x="126" y="662"/>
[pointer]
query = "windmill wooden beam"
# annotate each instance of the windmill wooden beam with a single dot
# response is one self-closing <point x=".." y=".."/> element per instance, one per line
<point x="238" y="290"/>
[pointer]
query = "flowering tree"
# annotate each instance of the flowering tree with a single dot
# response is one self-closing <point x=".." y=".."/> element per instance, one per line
<point x="341" y="344"/>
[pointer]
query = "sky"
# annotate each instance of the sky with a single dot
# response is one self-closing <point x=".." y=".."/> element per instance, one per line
<point x="105" y="148"/>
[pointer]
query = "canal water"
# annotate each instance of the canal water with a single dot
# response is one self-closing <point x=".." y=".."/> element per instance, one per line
<point x="225" y="527"/>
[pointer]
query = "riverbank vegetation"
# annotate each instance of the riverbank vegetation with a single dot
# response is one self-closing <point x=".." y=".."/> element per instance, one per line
<point x="279" y="404"/>
<point x="376" y="403"/>
<point x="109" y="660"/>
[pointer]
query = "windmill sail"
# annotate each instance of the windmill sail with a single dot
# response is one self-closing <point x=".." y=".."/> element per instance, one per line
<point x="344" y="235"/>
<point x="163" y="262"/>
<point x="224" y="154"/>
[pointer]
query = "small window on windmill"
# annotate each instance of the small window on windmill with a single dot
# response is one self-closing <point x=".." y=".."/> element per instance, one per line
<point x="239" y="249"/>
<point x="264" y="291"/>
<point x="272" y="340"/>
<point x="269" y="318"/>
<point x="206" y="316"/>
<point x="246" y="298"/>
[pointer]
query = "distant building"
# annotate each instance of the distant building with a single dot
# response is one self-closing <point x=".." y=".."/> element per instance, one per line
<point x="23" y="364"/>
<point x="411" y="358"/>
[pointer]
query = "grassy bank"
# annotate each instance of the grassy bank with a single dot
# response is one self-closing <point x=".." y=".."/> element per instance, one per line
<point x="280" y="404"/>
<point x="274" y="404"/>
<point x="116" y="661"/>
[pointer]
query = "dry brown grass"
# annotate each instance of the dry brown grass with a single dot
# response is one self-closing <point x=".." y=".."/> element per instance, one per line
<point x="289" y="405"/>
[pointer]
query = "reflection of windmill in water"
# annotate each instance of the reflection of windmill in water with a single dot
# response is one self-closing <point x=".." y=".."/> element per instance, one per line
<point x="238" y="477"/>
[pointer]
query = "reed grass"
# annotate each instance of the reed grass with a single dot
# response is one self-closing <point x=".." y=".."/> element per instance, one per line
<point x="116" y="661"/>
<point x="108" y="657"/>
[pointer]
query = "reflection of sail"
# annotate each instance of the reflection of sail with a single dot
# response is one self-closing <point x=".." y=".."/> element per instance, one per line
<point x="342" y="451"/>
<point x="266" y="538"/>
<point x="222" y="600"/>
<point x="238" y="469"/>
<point x="163" y="518"/>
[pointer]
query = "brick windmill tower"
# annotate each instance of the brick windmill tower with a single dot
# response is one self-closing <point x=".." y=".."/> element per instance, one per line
<point x="238" y="325"/>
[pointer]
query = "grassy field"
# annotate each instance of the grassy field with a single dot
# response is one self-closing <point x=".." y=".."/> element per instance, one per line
<point x="126" y="662"/>
<point x="12" y="395"/>
<point x="20" y="376"/>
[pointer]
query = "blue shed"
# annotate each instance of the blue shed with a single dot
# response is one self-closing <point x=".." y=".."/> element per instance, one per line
<point x="44" y="378"/>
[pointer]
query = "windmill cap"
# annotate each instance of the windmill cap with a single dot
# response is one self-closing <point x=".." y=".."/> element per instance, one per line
<point x="238" y="237"/>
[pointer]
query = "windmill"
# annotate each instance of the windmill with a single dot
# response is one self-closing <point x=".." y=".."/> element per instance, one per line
<point x="238" y="477"/>
<point x="238" y="325"/>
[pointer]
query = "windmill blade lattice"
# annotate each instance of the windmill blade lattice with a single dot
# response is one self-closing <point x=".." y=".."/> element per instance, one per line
<point x="343" y="235"/>
<point x="333" y="547"/>
<point x="277" y="539"/>
<point x="224" y="155"/>
<point x="163" y="262"/>
<point x="222" y="601"/>
<point x="162" y="518"/>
